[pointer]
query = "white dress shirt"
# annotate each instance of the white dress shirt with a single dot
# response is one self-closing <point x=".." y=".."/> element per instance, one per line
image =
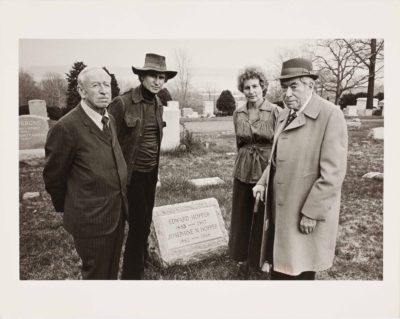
<point x="94" y="116"/>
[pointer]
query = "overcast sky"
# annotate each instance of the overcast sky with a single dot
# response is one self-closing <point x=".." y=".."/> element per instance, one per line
<point x="214" y="63"/>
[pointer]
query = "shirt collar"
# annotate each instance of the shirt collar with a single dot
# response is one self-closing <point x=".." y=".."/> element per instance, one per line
<point x="94" y="116"/>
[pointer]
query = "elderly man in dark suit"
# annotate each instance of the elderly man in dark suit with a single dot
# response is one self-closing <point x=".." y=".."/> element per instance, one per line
<point x="85" y="175"/>
<point x="303" y="179"/>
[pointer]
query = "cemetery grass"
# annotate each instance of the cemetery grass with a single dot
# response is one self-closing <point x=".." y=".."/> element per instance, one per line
<point x="47" y="250"/>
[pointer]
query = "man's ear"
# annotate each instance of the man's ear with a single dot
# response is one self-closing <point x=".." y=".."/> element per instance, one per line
<point x="81" y="91"/>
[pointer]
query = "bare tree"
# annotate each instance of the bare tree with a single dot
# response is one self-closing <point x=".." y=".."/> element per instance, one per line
<point x="338" y="69"/>
<point x="28" y="89"/>
<point x="182" y="80"/>
<point x="369" y="54"/>
<point x="54" y="89"/>
<point x="304" y="50"/>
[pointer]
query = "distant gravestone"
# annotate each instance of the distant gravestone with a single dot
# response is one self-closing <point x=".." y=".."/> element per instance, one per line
<point x="186" y="111"/>
<point x="173" y="105"/>
<point x="171" y="132"/>
<point x="376" y="133"/>
<point x="188" y="232"/>
<point x="208" y="181"/>
<point x="352" y="110"/>
<point x="208" y="108"/>
<point x="32" y="132"/>
<point x="362" y="103"/>
<point x="37" y="107"/>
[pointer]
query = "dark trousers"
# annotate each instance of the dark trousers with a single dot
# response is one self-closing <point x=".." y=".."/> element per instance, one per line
<point x="306" y="275"/>
<point x="100" y="255"/>
<point x="243" y="245"/>
<point x="141" y="194"/>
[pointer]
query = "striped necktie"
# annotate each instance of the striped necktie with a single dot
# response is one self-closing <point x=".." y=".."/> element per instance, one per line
<point x="292" y="116"/>
<point x="106" y="127"/>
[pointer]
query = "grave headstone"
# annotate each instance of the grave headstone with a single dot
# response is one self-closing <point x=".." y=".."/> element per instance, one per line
<point x="186" y="111"/>
<point x="352" y="110"/>
<point x="376" y="133"/>
<point x="368" y="112"/>
<point x="208" y="181"/>
<point x="208" y="108"/>
<point x="171" y="132"/>
<point x="188" y="232"/>
<point x="37" y="107"/>
<point x="173" y="105"/>
<point x="193" y="115"/>
<point x="362" y="103"/>
<point x="32" y="132"/>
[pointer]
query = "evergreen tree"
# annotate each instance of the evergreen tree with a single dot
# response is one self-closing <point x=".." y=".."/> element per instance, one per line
<point x="164" y="96"/>
<point x="226" y="102"/>
<point x="114" y="84"/>
<point x="73" y="97"/>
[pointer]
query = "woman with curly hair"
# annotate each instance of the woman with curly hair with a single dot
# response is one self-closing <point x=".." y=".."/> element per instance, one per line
<point x="254" y="124"/>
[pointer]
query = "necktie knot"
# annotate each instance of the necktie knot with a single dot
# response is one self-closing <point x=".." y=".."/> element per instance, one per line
<point x="105" y="121"/>
<point x="291" y="117"/>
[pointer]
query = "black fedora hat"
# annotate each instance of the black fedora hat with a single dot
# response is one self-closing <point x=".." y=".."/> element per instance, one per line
<point x="297" y="67"/>
<point x="154" y="62"/>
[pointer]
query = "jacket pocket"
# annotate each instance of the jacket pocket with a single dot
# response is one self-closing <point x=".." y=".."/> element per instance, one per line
<point x="131" y="121"/>
<point x="90" y="202"/>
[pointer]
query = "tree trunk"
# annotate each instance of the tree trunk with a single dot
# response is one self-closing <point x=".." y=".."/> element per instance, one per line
<point x="371" y="78"/>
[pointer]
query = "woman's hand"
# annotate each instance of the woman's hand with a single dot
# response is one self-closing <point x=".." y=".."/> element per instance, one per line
<point x="259" y="189"/>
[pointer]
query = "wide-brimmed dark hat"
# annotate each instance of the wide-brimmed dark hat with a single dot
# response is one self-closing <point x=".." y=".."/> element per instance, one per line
<point x="298" y="67"/>
<point x="154" y="62"/>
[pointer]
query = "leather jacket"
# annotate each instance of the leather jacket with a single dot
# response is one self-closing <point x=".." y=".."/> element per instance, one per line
<point x="127" y="109"/>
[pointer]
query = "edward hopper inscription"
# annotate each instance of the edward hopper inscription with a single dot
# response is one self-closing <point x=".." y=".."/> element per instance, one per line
<point x="188" y="232"/>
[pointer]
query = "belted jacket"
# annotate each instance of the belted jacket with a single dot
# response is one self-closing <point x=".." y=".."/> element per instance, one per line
<point x="254" y="141"/>
<point x="128" y="111"/>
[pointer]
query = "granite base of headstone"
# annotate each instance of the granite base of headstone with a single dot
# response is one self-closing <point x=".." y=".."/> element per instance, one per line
<point x="208" y="181"/>
<point x="187" y="232"/>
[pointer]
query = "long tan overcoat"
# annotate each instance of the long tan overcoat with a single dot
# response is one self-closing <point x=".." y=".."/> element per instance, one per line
<point x="311" y="156"/>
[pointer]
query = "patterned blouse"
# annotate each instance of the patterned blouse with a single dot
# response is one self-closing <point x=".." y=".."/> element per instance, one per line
<point x="254" y="141"/>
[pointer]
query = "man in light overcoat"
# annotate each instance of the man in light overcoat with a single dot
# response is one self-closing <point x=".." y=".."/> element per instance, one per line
<point x="86" y="175"/>
<point x="302" y="182"/>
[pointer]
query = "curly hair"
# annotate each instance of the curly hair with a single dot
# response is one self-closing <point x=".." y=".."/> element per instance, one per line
<point x="252" y="72"/>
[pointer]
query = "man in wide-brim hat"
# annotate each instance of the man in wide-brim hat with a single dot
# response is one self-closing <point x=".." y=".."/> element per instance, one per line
<point x="139" y="118"/>
<point x="302" y="182"/>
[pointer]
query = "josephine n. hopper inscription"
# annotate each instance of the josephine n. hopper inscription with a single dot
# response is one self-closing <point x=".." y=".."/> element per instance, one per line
<point x="190" y="231"/>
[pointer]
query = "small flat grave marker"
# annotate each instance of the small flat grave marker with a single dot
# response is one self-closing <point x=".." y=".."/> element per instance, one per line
<point x="188" y="232"/>
<point x="209" y="181"/>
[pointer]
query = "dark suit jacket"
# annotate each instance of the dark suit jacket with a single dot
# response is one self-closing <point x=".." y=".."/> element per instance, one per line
<point x="85" y="174"/>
